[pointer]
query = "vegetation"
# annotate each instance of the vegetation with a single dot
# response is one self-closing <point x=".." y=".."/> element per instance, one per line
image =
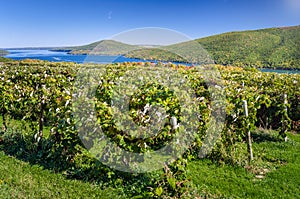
<point x="104" y="47"/>
<point x="22" y="180"/>
<point x="157" y="54"/>
<point x="38" y="124"/>
<point x="268" y="48"/>
<point x="3" y="59"/>
<point x="273" y="174"/>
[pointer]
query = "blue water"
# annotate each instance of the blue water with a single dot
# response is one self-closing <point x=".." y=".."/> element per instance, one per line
<point x="280" y="71"/>
<point x="54" y="56"/>
<point x="65" y="57"/>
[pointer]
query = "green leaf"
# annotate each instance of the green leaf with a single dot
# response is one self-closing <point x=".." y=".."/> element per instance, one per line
<point x="172" y="182"/>
<point x="158" y="191"/>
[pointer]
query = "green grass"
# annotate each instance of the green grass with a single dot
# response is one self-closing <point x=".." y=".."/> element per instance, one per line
<point x="278" y="163"/>
<point x="21" y="180"/>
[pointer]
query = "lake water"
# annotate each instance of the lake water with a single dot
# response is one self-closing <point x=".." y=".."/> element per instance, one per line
<point x="54" y="56"/>
<point x="65" y="57"/>
<point x="280" y="71"/>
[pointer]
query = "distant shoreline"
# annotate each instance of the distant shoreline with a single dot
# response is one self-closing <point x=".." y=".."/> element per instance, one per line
<point x="57" y="59"/>
<point x="3" y="53"/>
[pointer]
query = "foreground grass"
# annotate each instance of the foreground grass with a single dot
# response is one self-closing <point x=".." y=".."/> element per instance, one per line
<point x="21" y="180"/>
<point x="275" y="173"/>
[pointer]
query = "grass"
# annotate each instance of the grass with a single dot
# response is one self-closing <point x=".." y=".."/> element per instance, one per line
<point x="22" y="180"/>
<point x="19" y="179"/>
<point x="275" y="173"/>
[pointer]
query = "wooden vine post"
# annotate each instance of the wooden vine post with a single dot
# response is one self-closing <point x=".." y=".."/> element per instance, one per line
<point x="41" y="118"/>
<point x="245" y="105"/>
<point x="284" y="125"/>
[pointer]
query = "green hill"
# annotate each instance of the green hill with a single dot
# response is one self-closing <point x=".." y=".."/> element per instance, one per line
<point x="104" y="47"/>
<point x="276" y="47"/>
<point x="190" y="52"/>
<point x="272" y="48"/>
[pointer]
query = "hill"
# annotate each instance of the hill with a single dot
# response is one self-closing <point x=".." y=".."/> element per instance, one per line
<point x="271" y="48"/>
<point x="276" y="47"/>
<point x="188" y="52"/>
<point x="104" y="47"/>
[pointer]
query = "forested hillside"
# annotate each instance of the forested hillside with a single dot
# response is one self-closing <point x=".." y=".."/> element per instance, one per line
<point x="270" y="48"/>
<point x="276" y="47"/>
<point x="104" y="47"/>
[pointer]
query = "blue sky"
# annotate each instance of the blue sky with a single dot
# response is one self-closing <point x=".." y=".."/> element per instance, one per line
<point x="35" y="23"/>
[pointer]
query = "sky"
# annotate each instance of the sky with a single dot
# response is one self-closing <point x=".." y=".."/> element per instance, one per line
<point x="47" y="23"/>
